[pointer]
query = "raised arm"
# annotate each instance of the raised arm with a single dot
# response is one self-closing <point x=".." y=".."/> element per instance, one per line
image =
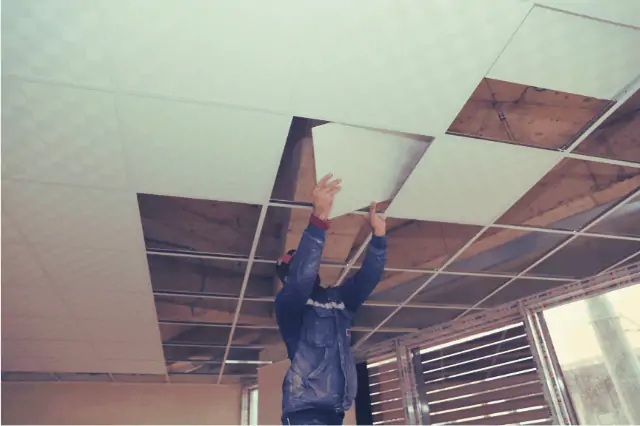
<point x="356" y="289"/>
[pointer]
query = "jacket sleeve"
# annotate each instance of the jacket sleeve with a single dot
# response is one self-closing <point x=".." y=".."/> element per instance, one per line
<point x="357" y="288"/>
<point x="304" y="268"/>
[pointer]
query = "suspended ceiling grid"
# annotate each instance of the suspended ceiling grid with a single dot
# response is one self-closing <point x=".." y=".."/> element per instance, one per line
<point x="77" y="295"/>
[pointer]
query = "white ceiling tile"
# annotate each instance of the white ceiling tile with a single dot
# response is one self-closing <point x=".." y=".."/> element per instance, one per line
<point x="10" y="232"/>
<point x="373" y="165"/>
<point x="104" y="305"/>
<point x="78" y="364"/>
<point x="403" y="65"/>
<point x="470" y="181"/>
<point x="61" y="40"/>
<point x="55" y="349"/>
<point x="26" y="364"/>
<point x="191" y="150"/>
<point x="126" y="366"/>
<point x="20" y="269"/>
<point x="623" y="12"/>
<point x="97" y="270"/>
<point x="64" y="216"/>
<point x="130" y="351"/>
<point x="123" y="330"/>
<point x="32" y="328"/>
<point x="42" y="301"/>
<point x="205" y="50"/>
<point x="60" y="134"/>
<point x="560" y="51"/>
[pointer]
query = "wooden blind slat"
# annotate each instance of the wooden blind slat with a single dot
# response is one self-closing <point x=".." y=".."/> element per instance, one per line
<point x="487" y="409"/>
<point x="488" y="396"/>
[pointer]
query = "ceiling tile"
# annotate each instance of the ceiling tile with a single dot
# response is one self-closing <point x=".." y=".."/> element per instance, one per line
<point x="62" y="135"/>
<point x="216" y="143"/>
<point x="526" y="115"/>
<point x="198" y="225"/>
<point x="618" y="137"/>
<point x="545" y="52"/>
<point x="118" y="329"/>
<point x="469" y="181"/>
<point x="20" y="269"/>
<point x="127" y="366"/>
<point x="505" y="251"/>
<point x="385" y="47"/>
<point x="586" y="256"/>
<point x="129" y="351"/>
<point x="151" y="44"/>
<point x="104" y="305"/>
<point x="35" y="364"/>
<point x="62" y="40"/>
<point x="79" y="364"/>
<point x="10" y="232"/>
<point x="64" y="216"/>
<point x="572" y="194"/>
<point x="42" y="301"/>
<point x="372" y="164"/>
<point x="627" y="13"/>
<point x="96" y="270"/>
<point x="34" y="328"/>
<point x="52" y="349"/>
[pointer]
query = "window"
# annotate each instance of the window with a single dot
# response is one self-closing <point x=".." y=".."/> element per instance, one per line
<point x="597" y="344"/>
<point x="250" y="406"/>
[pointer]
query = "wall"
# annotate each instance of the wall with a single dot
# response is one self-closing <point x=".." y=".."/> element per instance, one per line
<point x="119" y="403"/>
<point x="270" y="395"/>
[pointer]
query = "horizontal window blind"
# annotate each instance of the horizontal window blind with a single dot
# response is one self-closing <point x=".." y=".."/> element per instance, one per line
<point x="487" y="379"/>
<point x="386" y="396"/>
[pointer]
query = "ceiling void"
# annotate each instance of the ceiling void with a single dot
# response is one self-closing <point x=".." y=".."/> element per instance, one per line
<point x="372" y="164"/>
<point x="526" y="115"/>
<point x="522" y="287"/>
<point x="461" y="289"/>
<point x="469" y="181"/>
<point x="618" y="137"/>
<point x="572" y="194"/>
<point x="570" y="53"/>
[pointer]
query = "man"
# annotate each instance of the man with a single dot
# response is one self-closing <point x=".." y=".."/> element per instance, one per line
<point x="315" y="320"/>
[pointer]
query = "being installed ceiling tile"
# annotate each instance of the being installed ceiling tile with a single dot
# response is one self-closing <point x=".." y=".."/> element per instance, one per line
<point x="42" y="301"/>
<point x="572" y="194"/>
<point x="372" y="164"/>
<point x="398" y="68"/>
<point x="62" y="40"/>
<point x="201" y="151"/>
<point x="61" y="134"/>
<point x="198" y="225"/>
<point x="618" y="137"/>
<point x="104" y="305"/>
<point x="570" y="53"/>
<point x="586" y="256"/>
<point x="97" y="270"/>
<point x="35" y="327"/>
<point x="64" y="216"/>
<point x="148" y="351"/>
<point x="20" y="268"/>
<point x="505" y="251"/>
<point x="526" y="115"/>
<point x="469" y="181"/>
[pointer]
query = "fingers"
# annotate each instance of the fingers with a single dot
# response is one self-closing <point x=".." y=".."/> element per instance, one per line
<point x="329" y="186"/>
<point x="372" y="208"/>
<point x="325" y="179"/>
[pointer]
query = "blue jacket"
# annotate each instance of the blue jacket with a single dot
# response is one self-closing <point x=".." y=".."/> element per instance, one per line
<point x="315" y="324"/>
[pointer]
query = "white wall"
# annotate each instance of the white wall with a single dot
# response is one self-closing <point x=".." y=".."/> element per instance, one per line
<point x="119" y="403"/>
<point x="270" y="395"/>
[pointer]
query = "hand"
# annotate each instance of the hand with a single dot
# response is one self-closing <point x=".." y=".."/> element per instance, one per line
<point x="323" y="194"/>
<point x="377" y="221"/>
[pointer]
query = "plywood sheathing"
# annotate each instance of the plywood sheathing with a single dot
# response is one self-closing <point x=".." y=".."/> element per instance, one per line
<point x="619" y="136"/>
<point x="511" y="112"/>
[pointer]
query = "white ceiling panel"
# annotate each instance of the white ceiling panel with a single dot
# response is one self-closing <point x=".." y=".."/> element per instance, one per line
<point x="60" y="134"/>
<point x="405" y="65"/>
<point x="120" y="329"/>
<point x="84" y="364"/>
<point x="63" y="216"/>
<point x="373" y="165"/>
<point x="192" y="150"/>
<point x="104" y="305"/>
<point x="470" y="181"/>
<point x="126" y="366"/>
<point x="42" y="301"/>
<point x="61" y="40"/>
<point x="623" y="12"/>
<point x="58" y="349"/>
<point x="31" y="328"/>
<point x="24" y="364"/>
<point x="235" y="52"/>
<point x="561" y="51"/>
<point x="10" y="233"/>
<point x="20" y="270"/>
<point x="130" y="351"/>
<point x="96" y="270"/>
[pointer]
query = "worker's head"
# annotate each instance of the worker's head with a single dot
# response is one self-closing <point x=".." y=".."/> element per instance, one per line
<point x="283" y="265"/>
